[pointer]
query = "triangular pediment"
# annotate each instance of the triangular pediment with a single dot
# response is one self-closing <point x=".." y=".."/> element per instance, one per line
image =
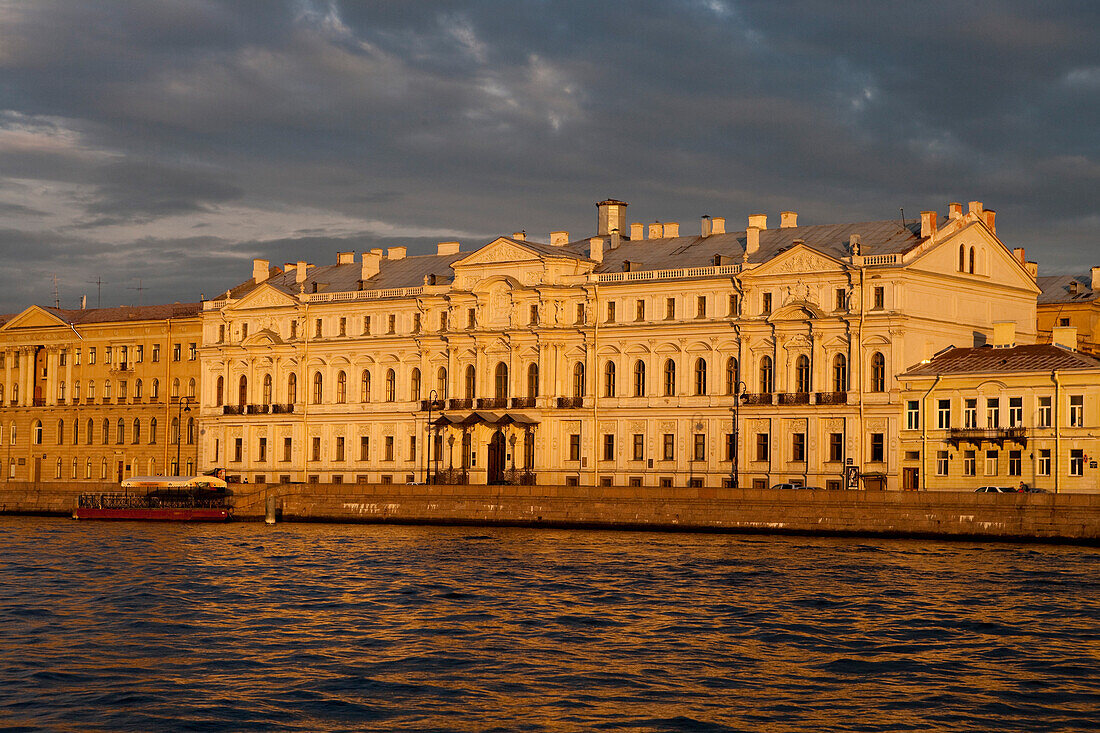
<point x="34" y="317"/>
<point x="501" y="250"/>
<point x="798" y="259"/>
<point x="265" y="296"/>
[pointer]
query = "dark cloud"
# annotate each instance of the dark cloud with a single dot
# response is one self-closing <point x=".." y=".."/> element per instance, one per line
<point x="372" y="118"/>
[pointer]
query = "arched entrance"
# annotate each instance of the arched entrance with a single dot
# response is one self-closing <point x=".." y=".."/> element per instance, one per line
<point x="496" y="458"/>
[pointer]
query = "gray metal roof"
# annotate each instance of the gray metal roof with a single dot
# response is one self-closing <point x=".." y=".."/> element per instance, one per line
<point x="988" y="360"/>
<point x="1056" y="289"/>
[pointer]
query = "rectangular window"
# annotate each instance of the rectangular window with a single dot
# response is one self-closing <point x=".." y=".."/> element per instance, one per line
<point x="943" y="463"/>
<point x="880" y="297"/>
<point x="391" y="323"/>
<point x="63" y="358"/>
<point x="581" y="316"/>
<point x="471" y="318"/>
<point x="221" y="333"/>
<point x="670" y="309"/>
<point x="445" y="315"/>
<point x="798" y="447"/>
<point x="177" y="349"/>
<point x="766" y="304"/>
<point x="878" y="447"/>
<point x="611" y="311"/>
<point x="970" y="414"/>
<point x="107" y="351"/>
<point x="1015" y="463"/>
<point x="340" y="448"/>
<point x="91" y="355"/>
<point x="412" y="448"/>
<point x="634" y="481"/>
<point x="1015" y="412"/>
<point x="192" y="351"/>
<point x="318" y="328"/>
<point x="970" y="463"/>
<point x="992" y="412"/>
<point x="836" y="446"/>
<point x="139" y="353"/>
<point x="122" y="389"/>
<point x="639" y="310"/>
<point x="731" y="447"/>
<point x="665" y="482"/>
<point x="668" y="447"/>
<point x="912" y="415"/>
<point x="700" y="447"/>
<point x="733" y="306"/>
<point x="639" y="447"/>
<point x="364" y="448"/>
<point x="366" y="325"/>
<point x="315" y="454"/>
<point x="416" y="323"/>
<point x="575" y="447"/>
<point x="1077" y="462"/>
<point x="261" y="453"/>
<point x="943" y="414"/>
<point x="388" y="456"/>
<point x="343" y="324"/>
<point x="992" y="458"/>
<point x="1076" y="411"/>
<point x="1044" y="412"/>
<point x="841" y="299"/>
<point x="287" y="448"/>
<point x="238" y="449"/>
<point x="701" y="306"/>
<point x="608" y="447"/>
<point x="76" y="358"/>
<point x="1043" y="468"/>
<point x="763" y="446"/>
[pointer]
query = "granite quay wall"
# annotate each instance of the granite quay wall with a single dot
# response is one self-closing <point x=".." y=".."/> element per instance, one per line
<point x="1071" y="518"/>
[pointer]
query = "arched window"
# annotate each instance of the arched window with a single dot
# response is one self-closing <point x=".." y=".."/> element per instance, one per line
<point x="88" y="469"/>
<point x="174" y="432"/>
<point x="106" y="389"/>
<point x="414" y="384"/>
<point x="60" y="393"/>
<point x="341" y="387"/>
<point x="103" y="470"/>
<point x="471" y="382"/>
<point x="500" y="381"/>
<point x="155" y="393"/>
<point x="639" y="378"/>
<point x="962" y="258"/>
<point x="670" y="378"/>
<point x="840" y="373"/>
<point x="267" y="389"/>
<point x="191" y="388"/>
<point x="441" y="383"/>
<point x="76" y="432"/>
<point x="152" y="471"/>
<point x="609" y="379"/>
<point x="91" y="428"/>
<point x="767" y="377"/>
<point x="75" y="469"/>
<point x="15" y="394"/>
<point x="364" y="386"/>
<point x="391" y="385"/>
<point x="878" y="372"/>
<point x="137" y="389"/>
<point x="11" y="433"/>
<point x="733" y="375"/>
<point x="36" y="432"/>
<point x="292" y="387"/>
<point x="467" y="449"/>
<point x="136" y="438"/>
<point x="700" y="376"/>
<point x="175" y="389"/>
<point x="802" y="374"/>
<point x="1" y="394"/>
<point x="60" y="432"/>
<point x="76" y="392"/>
<point x="971" y="260"/>
<point x="190" y="431"/>
<point x="533" y="380"/>
<point x="318" y="387"/>
<point x="120" y="436"/>
<point x="152" y="431"/>
<point x="578" y="379"/>
<point x="57" y="469"/>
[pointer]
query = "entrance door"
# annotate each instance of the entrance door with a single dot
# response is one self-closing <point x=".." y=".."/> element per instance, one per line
<point x="120" y="472"/>
<point x="37" y="469"/>
<point x="496" y="458"/>
<point x="910" y="479"/>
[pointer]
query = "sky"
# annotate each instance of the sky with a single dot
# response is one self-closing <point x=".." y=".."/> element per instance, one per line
<point x="150" y="150"/>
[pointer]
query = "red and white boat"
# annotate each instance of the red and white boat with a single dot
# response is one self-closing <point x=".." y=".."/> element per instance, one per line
<point x="160" y="498"/>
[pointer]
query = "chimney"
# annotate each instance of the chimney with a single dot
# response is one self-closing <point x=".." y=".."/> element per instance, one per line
<point x="752" y="240"/>
<point x="637" y="232"/>
<point x="855" y="244"/>
<point x="345" y="258"/>
<point x="616" y="239"/>
<point x="559" y="238"/>
<point x="1074" y="287"/>
<point x="1032" y="269"/>
<point x="1065" y="336"/>
<point x="989" y="216"/>
<point x="672" y="229"/>
<point x="611" y="215"/>
<point x="759" y="221"/>
<point x="1095" y="279"/>
<point x="371" y="262"/>
<point x="396" y="253"/>
<point x="446" y="248"/>
<point x="1021" y="255"/>
<point x="704" y="226"/>
<point x="718" y="225"/>
<point x="83" y="302"/>
<point x="376" y="251"/>
<point x="975" y="207"/>
<point x="656" y="230"/>
<point x="927" y="224"/>
<point x="260" y="270"/>
<point x="300" y="272"/>
<point x="519" y="236"/>
<point x="954" y="210"/>
<point x="788" y="219"/>
<point x="1004" y="334"/>
<point x="595" y="248"/>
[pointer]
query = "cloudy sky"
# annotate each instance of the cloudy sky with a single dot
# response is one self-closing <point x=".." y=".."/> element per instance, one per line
<point x="163" y="145"/>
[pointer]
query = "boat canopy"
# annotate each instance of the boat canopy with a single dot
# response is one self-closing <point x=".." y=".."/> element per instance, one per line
<point x="174" y="482"/>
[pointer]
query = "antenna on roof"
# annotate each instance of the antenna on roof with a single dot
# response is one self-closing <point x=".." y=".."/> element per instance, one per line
<point x="139" y="289"/>
<point x="902" y="217"/>
<point x="56" y="299"/>
<point x="98" y="282"/>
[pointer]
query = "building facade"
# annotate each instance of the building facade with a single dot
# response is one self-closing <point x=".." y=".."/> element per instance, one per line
<point x="99" y="394"/>
<point x="1071" y="301"/>
<point x="636" y="356"/>
<point x="1002" y="415"/>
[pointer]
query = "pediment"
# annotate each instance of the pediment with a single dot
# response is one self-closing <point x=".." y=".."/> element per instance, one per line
<point x="799" y="259"/>
<point x="34" y="317"/>
<point x="264" y="337"/>
<point x="265" y="296"/>
<point x="500" y="251"/>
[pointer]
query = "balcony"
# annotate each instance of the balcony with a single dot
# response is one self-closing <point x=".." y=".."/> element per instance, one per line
<point x="977" y="436"/>
<point x="832" y="398"/>
<point x="282" y="409"/>
<point x="757" y="398"/>
<point x="436" y="405"/>
<point x="794" y="398"/>
<point x="460" y="404"/>
<point x="257" y="409"/>
<point x="570" y="403"/>
<point x="38" y="402"/>
<point x="492" y="403"/>
<point x="521" y="403"/>
<point x="232" y="409"/>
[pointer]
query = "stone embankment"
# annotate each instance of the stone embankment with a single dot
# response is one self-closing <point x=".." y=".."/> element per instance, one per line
<point x="1071" y="518"/>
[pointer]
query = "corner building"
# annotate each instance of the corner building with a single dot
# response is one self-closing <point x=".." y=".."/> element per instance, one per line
<point x="636" y="356"/>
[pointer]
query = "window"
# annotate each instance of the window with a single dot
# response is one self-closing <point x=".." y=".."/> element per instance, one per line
<point x="445" y="315"/>
<point x="639" y="310"/>
<point x="36" y="432"/>
<point x="610" y="311"/>
<point x="315" y="452"/>
<point x="107" y="352"/>
<point x="152" y="432"/>
<point x="701" y="306"/>
<point x="1015" y="412"/>
<point x="699" y="447"/>
<point x="364" y="386"/>
<point x="942" y="463"/>
<point x="91" y="356"/>
<point x="533" y="381"/>
<point x="366" y="325"/>
<point x="500" y="381"/>
<point x="414" y="384"/>
<point x="802" y="374"/>
<point x="1044" y="413"/>
<point x="343" y="326"/>
<point x="364" y="447"/>
<point x="340" y="447"/>
<point x="912" y="415"/>
<point x="766" y="375"/>
<point x="138" y="389"/>
<point x="61" y="392"/>
<point x="668" y="447"/>
<point x="266" y="394"/>
<point x="441" y="383"/>
<point x="991" y="460"/>
<point x="840" y="299"/>
<point x="943" y="414"/>
<point x="1044" y="462"/>
<point x="1015" y="463"/>
<point x="471" y="317"/>
<point x="120" y="432"/>
<point x="341" y="387"/>
<point x="970" y="463"/>
<point x="608" y="447"/>
<point x="580" y="313"/>
<point x="731" y="447"/>
<point x="533" y="314"/>
<point x="412" y="450"/>
<point x="670" y="309"/>
<point x="155" y="357"/>
<point x="733" y="376"/>
<point x="62" y="360"/>
<point x="287" y="448"/>
<point x="700" y="376"/>
<point x="1077" y="462"/>
<point x="836" y="447"/>
<point x="962" y="258"/>
<point x="733" y="305"/>
<point x="416" y="323"/>
<point x="471" y="382"/>
<point x="766" y="304"/>
<point x="391" y="385"/>
<point x="578" y="379"/>
<point x="840" y="373"/>
<point x="970" y="413"/>
<point x="763" y="446"/>
<point x="878" y="372"/>
<point x="609" y="379"/>
<point x="318" y="328"/>
<point x="1063" y="321"/>
<point x="318" y="387"/>
<point x="261" y="453"/>
<point x="177" y="349"/>
<point x="670" y="378"/>
<point x="238" y="449"/>
<point x="639" y="378"/>
<point x="76" y="392"/>
<point x="137" y="431"/>
<point x="106" y="389"/>
<point x="1076" y="411"/>
<point x="192" y="351"/>
<point x="798" y="447"/>
<point x="293" y="328"/>
<point x="639" y="447"/>
<point x="221" y="333"/>
<point x="992" y="412"/>
<point x="879" y="295"/>
<point x="878" y="447"/>
<point x="292" y="388"/>
<point x="575" y="447"/>
<point x="391" y="323"/>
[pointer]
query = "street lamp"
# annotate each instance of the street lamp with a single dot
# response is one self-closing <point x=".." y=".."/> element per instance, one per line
<point x="428" y="448"/>
<point x="184" y="405"/>
<point x="738" y="394"/>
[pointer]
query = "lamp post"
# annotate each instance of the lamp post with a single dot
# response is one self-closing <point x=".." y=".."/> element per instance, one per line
<point x="738" y="394"/>
<point x="184" y="405"/>
<point x="428" y="447"/>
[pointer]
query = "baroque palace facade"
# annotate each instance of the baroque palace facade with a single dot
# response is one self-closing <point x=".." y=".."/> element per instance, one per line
<point x="636" y="356"/>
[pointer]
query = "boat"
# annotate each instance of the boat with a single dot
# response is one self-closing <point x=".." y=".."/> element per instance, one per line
<point x="160" y="498"/>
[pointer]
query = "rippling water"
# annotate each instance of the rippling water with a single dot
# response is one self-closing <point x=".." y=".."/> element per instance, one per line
<point x="135" y="626"/>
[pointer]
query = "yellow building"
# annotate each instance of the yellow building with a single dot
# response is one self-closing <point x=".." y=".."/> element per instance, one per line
<point x="99" y="394"/>
<point x="636" y="356"/>
<point x="1003" y="415"/>
<point x="1071" y="301"/>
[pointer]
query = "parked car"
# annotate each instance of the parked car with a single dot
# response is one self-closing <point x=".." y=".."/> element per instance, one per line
<point x="994" y="490"/>
<point x="789" y="485"/>
<point x="1033" y="490"/>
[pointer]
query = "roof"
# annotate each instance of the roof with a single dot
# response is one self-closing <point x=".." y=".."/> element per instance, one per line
<point x="126" y="313"/>
<point x="1056" y="289"/>
<point x="407" y="272"/>
<point x="989" y="360"/>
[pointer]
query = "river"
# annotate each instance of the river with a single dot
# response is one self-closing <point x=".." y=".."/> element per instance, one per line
<point x="310" y="627"/>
